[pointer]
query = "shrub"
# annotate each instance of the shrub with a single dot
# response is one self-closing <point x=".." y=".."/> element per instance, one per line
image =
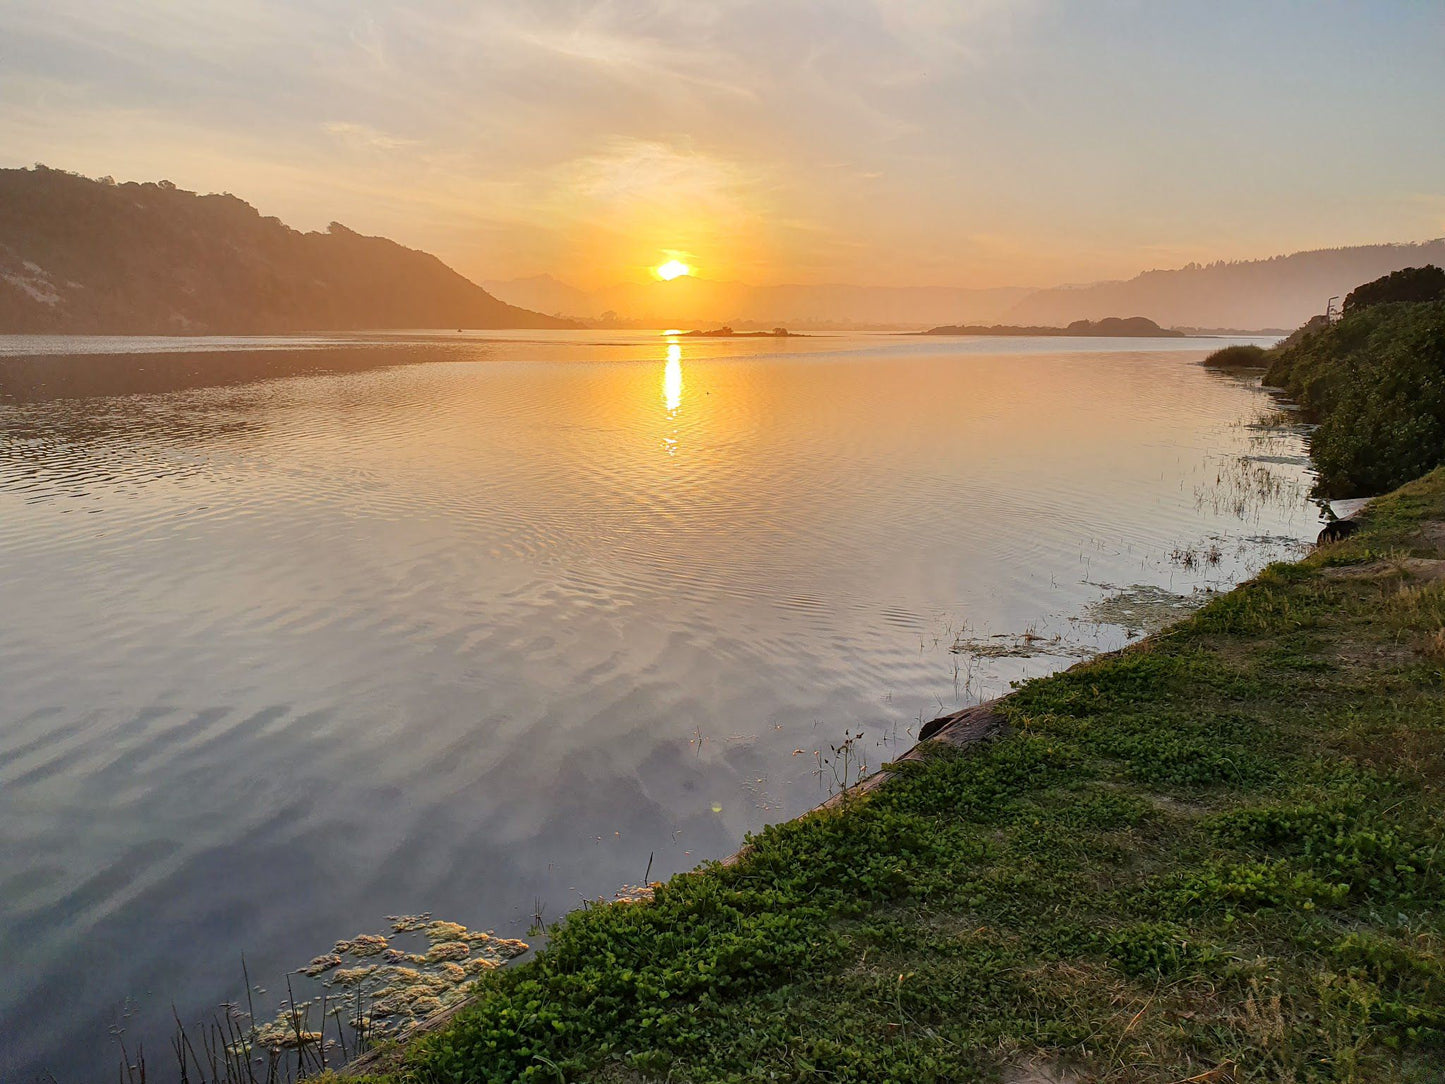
<point x="1375" y="382"/>
<point x="1408" y="284"/>
<point x="1239" y="356"/>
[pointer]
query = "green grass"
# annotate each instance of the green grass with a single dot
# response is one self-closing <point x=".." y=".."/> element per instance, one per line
<point x="1218" y="850"/>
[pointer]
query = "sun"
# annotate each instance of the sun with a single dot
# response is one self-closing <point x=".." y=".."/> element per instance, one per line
<point x="673" y="269"/>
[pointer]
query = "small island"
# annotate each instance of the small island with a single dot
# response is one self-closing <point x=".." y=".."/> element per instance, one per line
<point x="1140" y="327"/>
<point x="726" y="332"/>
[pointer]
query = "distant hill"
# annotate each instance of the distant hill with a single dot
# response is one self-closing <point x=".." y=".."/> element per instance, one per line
<point x="86" y="256"/>
<point x="691" y="301"/>
<point x="1126" y="327"/>
<point x="1283" y="291"/>
<point x="1249" y="295"/>
<point x="544" y="293"/>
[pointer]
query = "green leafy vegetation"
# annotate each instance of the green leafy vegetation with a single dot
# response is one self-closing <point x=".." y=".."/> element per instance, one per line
<point x="1201" y="858"/>
<point x="1373" y="382"/>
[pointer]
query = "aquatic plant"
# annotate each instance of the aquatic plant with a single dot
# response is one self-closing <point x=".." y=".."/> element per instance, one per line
<point x="1239" y="356"/>
<point x="372" y="990"/>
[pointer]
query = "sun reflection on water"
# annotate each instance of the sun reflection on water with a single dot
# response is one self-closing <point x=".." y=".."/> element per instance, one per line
<point x="672" y="391"/>
<point x="672" y="378"/>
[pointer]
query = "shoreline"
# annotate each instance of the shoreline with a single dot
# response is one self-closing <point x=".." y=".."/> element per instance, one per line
<point x="1153" y="765"/>
<point x="959" y="729"/>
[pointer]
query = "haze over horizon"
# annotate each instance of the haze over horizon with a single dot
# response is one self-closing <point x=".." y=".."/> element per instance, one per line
<point x="974" y="145"/>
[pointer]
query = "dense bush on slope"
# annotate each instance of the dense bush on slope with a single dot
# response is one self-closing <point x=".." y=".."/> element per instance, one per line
<point x="1375" y="383"/>
<point x="1408" y="284"/>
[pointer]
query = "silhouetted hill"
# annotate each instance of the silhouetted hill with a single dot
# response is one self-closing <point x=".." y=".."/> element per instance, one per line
<point x="1121" y="327"/>
<point x="78" y="255"/>
<point x="1280" y="292"/>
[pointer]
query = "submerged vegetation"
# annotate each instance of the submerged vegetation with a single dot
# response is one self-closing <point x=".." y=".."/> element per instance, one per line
<point x="1216" y="855"/>
<point x="1373" y="381"/>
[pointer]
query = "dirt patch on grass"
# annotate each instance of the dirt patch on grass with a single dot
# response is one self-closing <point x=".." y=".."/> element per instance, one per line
<point x="1040" y="1072"/>
<point x="1425" y="569"/>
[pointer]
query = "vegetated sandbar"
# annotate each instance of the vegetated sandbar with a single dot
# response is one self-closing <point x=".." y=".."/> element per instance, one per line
<point x="1111" y="326"/>
<point x="726" y="332"/>
<point x="1216" y="852"/>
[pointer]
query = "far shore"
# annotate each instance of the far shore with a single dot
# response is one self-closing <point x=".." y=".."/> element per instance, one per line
<point x="1110" y="327"/>
<point x="726" y="332"/>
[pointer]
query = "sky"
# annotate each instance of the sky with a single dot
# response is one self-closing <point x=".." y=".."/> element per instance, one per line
<point x="963" y="143"/>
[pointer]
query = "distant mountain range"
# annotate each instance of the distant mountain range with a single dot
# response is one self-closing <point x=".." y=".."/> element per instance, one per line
<point x="1277" y="293"/>
<point x="1282" y="292"/>
<point x="86" y="256"/>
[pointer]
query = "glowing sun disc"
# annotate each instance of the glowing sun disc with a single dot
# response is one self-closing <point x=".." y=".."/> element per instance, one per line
<point x="673" y="269"/>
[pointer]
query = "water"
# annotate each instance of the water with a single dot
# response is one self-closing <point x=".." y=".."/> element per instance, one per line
<point x="478" y="625"/>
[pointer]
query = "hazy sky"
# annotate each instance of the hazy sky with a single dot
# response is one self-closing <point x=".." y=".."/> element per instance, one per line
<point x="945" y="142"/>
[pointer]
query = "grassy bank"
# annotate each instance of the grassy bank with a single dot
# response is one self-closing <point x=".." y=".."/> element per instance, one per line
<point x="1216" y="855"/>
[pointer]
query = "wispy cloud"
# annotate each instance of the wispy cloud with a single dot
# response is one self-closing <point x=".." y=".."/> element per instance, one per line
<point x="848" y="138"/>
<point x="365" y="137"/>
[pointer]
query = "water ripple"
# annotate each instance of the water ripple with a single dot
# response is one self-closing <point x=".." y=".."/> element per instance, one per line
<point x="302" y="633"/>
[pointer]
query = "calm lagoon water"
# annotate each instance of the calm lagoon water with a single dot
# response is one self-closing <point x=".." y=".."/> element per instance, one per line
<point x="301" y="633"/>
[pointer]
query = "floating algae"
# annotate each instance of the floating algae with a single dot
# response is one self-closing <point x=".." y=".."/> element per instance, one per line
<point x="637" y="893"/>
<point x="350" y="976"/>
<point x="1142" y="607"/>
<point x="282" y="1034"/>
<point x="1027" y="645"/>
<point x="321" y="964"/>
<point x="448" y="950"/>
<point x="380" y="988"/>
<point x="363" y="944"/>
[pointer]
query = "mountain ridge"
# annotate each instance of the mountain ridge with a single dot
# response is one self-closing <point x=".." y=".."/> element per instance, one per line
<point x="92" y="256"/>
<point x="1278" y="291"/>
